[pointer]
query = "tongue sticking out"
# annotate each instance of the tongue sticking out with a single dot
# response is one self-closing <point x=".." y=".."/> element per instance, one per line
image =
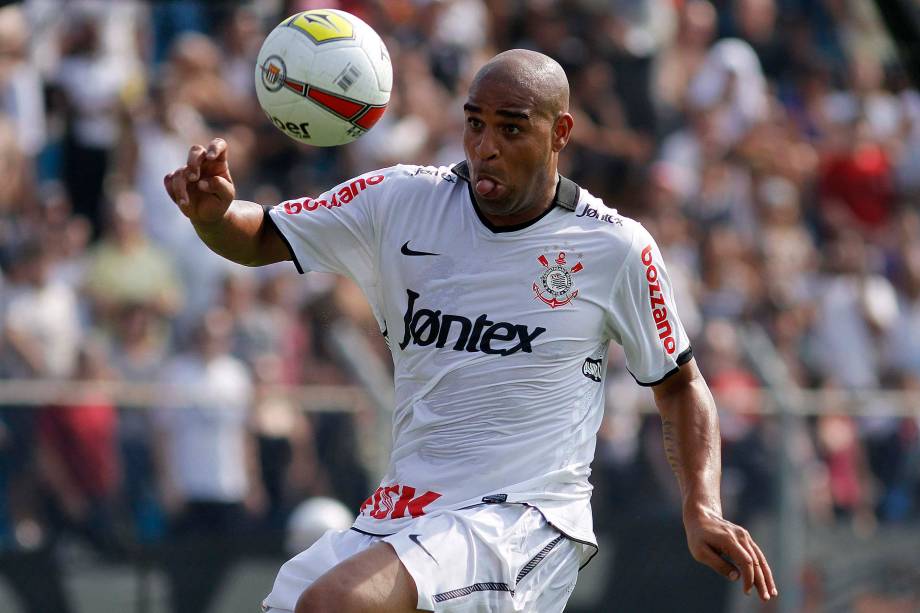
<point x="485" y="186"/>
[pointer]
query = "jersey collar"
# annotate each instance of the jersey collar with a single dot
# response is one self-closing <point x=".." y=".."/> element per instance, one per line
<point x="566" y="197"/>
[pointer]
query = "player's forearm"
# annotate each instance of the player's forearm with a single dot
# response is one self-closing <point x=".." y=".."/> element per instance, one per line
<point x="690" y="428"/>
<point x="238" y="235"/>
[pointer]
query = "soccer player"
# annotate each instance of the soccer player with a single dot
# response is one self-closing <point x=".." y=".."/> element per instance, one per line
<point x="498" y="285"/>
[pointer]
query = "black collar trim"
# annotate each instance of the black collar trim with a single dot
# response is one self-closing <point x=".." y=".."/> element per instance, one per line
<point x="567" y="194"/>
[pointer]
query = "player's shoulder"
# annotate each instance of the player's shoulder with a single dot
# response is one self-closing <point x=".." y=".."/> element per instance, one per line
<point x="404" y="183"/>
<point x="420" y="177"/>
<point x="617" y="231"/>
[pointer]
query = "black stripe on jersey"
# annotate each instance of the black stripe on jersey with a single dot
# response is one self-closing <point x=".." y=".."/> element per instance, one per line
<point x="682" y="359"/>
<point x="271" y="222"/>
<point x="370" y="533"/>
<point x="537" y="559"/>
<point x="566" y="197"/>
<point x="476" y="587"/>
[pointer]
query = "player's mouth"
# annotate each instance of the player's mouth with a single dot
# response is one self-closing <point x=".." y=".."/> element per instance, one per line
<point x="489" y="187"/>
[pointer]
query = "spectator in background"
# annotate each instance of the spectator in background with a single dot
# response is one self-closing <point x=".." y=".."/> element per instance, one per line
<point x="77" y="454"/>
<point x="855" y="298"/>
<point x="784" y="242"/>
<point x="40" y="319"/>
<point x="903" y="340"/>
<point x="732" y="85"/>
<point x="241" y="35"/>
<point x="140" y="345"/>
<point x="39" y="339"/>
<point x="606" y="145"/>
<point x="159" y="129"/>
<point x="848" y="471"/>
<point x="747" y="481"/>
<point x="126" y="268"/>
<point x="21" y="96"/>
<point x="856" y="182"/>
<point x="252" y="333"/>
<point x="730" y="284"/>
<point x="17" y="197"/>
<point x="755" y="22"/>
<point x="678" y="61"/>
<point x="287" y="448"/>
<point x="207" y="460"/>
<point x="196" y="75"/>
<point x="90" y="83"/>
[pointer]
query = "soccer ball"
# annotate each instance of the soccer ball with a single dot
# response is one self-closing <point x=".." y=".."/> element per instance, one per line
<point x="312" y="519"/>
<point x="323" y="77"/>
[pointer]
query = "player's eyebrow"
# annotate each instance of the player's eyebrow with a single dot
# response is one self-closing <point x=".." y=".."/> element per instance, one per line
<point x="513" y="114"/>
<point x="510" y="113"/>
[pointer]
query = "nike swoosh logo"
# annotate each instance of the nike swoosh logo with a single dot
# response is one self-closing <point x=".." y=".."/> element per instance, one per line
<point x="406" y="251"/>
<point x="414" y="539"/>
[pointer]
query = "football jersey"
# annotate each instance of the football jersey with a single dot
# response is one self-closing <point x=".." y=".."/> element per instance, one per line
<point x="499" y="335"/>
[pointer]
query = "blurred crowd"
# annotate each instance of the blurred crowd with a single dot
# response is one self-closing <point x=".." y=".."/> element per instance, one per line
<point x="772" y="147"/>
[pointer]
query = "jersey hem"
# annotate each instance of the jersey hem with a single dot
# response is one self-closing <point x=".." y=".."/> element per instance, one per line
<point x="366" y="533"/>
<point x="682" y="359"/>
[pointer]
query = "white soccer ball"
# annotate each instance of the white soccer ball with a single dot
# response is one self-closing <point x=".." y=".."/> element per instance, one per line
<point x="323" y="77"/>
<point x="312" y="519"/>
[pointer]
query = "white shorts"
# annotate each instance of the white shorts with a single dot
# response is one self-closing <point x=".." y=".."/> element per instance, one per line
<point x="488" y="558"/>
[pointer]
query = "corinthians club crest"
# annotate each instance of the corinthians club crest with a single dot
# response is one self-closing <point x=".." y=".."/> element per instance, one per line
<point x="554" y="285"/>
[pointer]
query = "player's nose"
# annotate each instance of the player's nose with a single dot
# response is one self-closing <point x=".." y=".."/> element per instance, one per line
<point x="487" y="147"/>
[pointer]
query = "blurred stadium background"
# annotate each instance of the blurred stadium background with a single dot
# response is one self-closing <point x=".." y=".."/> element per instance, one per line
<point x="163" y="413"/>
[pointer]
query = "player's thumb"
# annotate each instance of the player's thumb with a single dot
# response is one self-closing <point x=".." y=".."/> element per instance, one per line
<point x="719" y="564"/>
<point x="219" y="187"/>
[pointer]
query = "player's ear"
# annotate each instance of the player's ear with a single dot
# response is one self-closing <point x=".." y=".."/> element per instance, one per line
<point x="562" y="131"/>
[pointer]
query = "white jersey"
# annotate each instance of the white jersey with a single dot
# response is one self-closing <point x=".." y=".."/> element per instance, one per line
<point x="499" y="335"/>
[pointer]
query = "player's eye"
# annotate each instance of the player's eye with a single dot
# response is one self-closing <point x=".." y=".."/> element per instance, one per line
<point x="511" y="129"/>
<point x="474" y="122"/>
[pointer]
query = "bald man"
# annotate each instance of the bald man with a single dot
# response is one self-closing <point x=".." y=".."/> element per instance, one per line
<point x="499" y="285"/>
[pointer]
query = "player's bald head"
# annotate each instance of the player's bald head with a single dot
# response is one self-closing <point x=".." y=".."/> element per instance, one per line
<point x="530" y="74"/>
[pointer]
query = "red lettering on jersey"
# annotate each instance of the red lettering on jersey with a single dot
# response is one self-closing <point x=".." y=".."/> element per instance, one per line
<point x="376" y="510"/>
<point x="382" y="505"/>
<point x="381" y="513"/>
<point x="416" y="506"/>
<point x="345" y="195"/>
<point x="647" y="255"/>
<point x="357" y="186"/>
<point x="292" y="207"/>
<point x="657" y="302"/>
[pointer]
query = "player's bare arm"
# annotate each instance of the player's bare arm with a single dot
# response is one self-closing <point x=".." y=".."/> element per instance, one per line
<point x="691" y="440"/>
<point x="234" y="229"/>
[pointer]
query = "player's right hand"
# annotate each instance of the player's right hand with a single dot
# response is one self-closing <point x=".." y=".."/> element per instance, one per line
<point x="203" y="188"/>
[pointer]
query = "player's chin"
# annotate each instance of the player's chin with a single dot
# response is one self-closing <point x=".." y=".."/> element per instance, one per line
<point x="497" y="204"/>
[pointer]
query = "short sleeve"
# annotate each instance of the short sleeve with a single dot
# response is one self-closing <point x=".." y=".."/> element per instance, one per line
<point x="335" y="231"/>
<point x="643" y="314"/>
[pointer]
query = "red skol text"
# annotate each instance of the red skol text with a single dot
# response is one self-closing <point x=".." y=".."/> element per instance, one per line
<point x="397" y="501"/>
